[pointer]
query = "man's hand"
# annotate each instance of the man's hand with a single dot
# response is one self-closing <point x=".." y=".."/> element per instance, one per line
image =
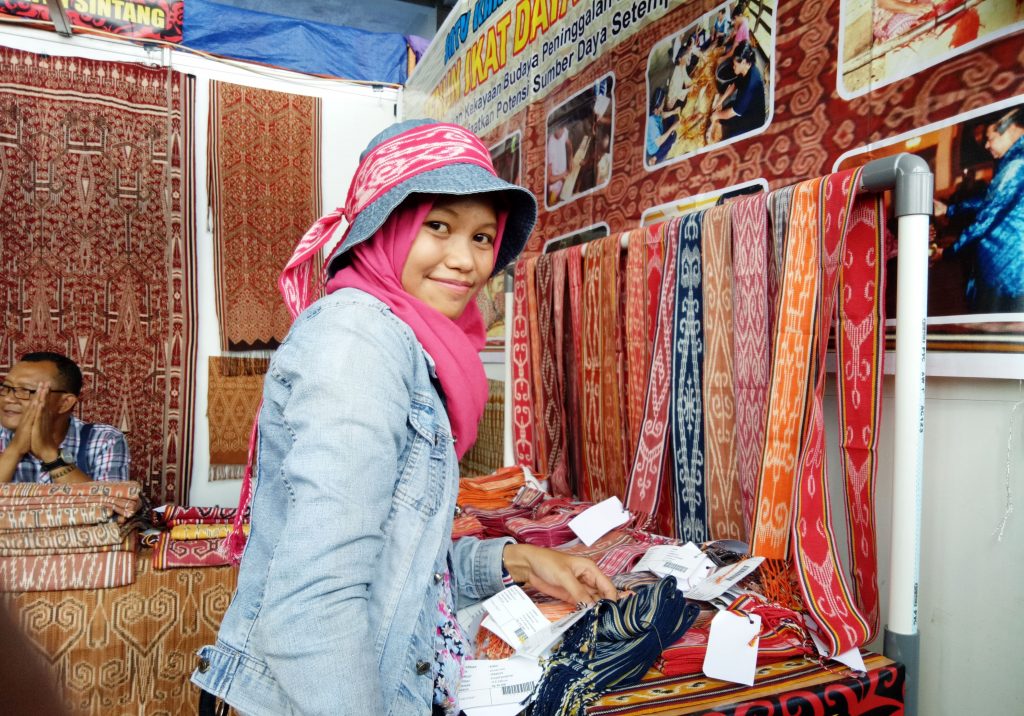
<point x="572" y="579"/>
<point x="21" y="440"/>
<point x="43" y="446"/>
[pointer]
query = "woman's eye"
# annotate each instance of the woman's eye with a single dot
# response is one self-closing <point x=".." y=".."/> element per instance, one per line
<point x="484" y="239"/>
<point x="435" y="225"/>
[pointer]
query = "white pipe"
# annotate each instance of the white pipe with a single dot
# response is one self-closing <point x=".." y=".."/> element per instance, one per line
<point x="908" y="422"/>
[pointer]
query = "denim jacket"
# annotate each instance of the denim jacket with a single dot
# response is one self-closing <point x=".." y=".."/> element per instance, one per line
<point x="337" y="602"/>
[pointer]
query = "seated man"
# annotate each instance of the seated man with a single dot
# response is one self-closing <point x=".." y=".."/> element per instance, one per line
<point x="40" y="441"/>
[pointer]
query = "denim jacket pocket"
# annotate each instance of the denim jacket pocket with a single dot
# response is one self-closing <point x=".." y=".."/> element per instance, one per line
<point x="421" y="482"/>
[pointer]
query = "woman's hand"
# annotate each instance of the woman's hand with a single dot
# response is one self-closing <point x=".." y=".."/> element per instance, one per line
<point x="562" y="576"/>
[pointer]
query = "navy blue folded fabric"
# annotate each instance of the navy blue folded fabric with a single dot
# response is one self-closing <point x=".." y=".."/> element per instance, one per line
<point x="614" y="645"/>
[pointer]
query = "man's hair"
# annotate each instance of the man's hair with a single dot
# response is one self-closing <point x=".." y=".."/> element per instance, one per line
<point x="69" y="372"/>
<point x="1015" y="116"/>
<point x="745" y="52"/>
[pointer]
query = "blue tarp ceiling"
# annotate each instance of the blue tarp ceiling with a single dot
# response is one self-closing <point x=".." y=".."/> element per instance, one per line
<point x="295" y="44"/>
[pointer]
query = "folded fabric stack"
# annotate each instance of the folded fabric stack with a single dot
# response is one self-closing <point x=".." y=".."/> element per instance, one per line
<point x="193" y="536"/>
<point x="490" y="492"/>
<point x="466" y="526"/>
<point x="78" y="536"/>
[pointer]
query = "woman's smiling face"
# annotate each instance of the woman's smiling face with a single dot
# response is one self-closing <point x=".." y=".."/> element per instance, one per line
<point x="452" y="256"/>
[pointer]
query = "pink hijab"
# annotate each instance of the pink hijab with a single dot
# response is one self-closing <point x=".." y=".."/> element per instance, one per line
<point x="376" y="268"/>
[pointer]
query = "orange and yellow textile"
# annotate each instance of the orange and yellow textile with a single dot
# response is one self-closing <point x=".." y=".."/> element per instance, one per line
<point x="129" y="650"/>
<point x="264" y="186"/>
<point x="236" y="388"/>
<point x="186" y="532"/>
<point x="492" y="491"/>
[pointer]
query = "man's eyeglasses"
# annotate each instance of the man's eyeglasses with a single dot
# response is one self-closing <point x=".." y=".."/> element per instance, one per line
<point x="22" y="393"/>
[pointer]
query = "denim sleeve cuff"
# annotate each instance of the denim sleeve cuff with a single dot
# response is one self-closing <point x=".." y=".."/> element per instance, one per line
<point x="486" y="568"/>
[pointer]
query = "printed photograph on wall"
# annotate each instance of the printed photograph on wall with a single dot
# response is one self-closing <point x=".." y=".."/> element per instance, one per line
<point x="976" y="242"/>
<point x="507" y="157"/>
<point x="881" y="41"/>
<point x="580" y="236"/>
<point x="710" y="83"/>
<point x="578" y="155"/>
<point x="491" y="302"/>
<point x="664" y="212"/>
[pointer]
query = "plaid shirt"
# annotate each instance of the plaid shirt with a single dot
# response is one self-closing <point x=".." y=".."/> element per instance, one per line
<point x="106" y="454"/>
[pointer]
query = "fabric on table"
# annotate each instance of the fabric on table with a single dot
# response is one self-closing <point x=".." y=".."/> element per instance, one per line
<point x="185" y="532"/>
<point x="492" y="491"/>
<point x="264" y="187"/>
<point x="523" y="417"/>
<point x="175" y="515"/>
<point x="617" y="551"/>
<point x="62" y="538"/>
<point x="50" y="516"/>
<point x="545" y="530"/>
<point x="236" y="389"/>
<point x="122" y="497"/>
<point x="493" y="521"/>
<point x="466" y="526"/>
<point x="614" y="645"/>
<point x="99" y="245"/>
<point x="54" y="572"/>
<point x="852" y="274"/>
<point x="793" y="686"/>
<point x="553" y="421"/>
<point x="129" y="650"/>
<point x="751" y="364"/>
<point x="789" y="386"/>
<point x="536" y="365"/>
<point x="127" y="544"/>
<point x="175" y="554"/>
<point x="721" y="472"/>
<point x="574" y="370"/>
<point x="686" y="407"/>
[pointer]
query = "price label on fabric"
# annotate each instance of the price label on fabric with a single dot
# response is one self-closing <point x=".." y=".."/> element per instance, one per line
<point x="851" y="658"/>
<point x="513" y="616"/>
<point x="469" y="618"/>
<point x="502" y="682"/>
<point x="721" y="579"/>
<point x="687" y="563"/>
<point x="595" y="522"/>
<point x="732" y="647"/>
<point x="538" y="644"/>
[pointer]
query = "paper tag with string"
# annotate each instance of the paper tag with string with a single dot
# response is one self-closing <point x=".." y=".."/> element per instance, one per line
<point x="732" y="647"/>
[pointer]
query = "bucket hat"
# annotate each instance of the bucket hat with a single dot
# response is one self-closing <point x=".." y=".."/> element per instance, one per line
<point x="418" y="156"/>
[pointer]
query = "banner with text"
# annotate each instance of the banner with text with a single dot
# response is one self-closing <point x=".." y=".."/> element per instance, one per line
<point x="137" y="19"/>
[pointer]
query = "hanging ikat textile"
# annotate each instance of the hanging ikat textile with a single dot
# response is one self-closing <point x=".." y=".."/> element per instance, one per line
<point x="236" y="387"/>
<point x="686" y="406"/>
<point x="721" y="475"/>
<point x="98" y="244"/>
<point x="264" y="185"/>
<point x="523" y="417"/>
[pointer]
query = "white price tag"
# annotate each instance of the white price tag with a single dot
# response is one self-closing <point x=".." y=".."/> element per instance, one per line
<point x="538" y="644"/>
<point x="732" y="647"/>
<point x="469" y="619"/>
<point x="516" y="617"/>
<point x="595" y="522"/>
<point x="687" y="563"/>
<point x="722" y="579"/>
<point x="497" y="683"/>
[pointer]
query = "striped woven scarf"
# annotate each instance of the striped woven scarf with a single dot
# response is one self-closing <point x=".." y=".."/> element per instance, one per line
<point x="637" y="342"/>
<point x="852" y="273"/>
<point x="550" y="385"/>
<point x="780" y="203"/>
<point x="614" y="645"/>
<point x="725" y="504"/>
<point x="574" y="371"/>
<point x="533" y="315"/>
<point x="644" y="489"/>
<point x="522" y="374"/>
<point x="687" y="410"/>
<point x="561" y="474"/>
<point x="613" y="427"/>
<point x="788" y="393"/>
<point x="751" y="364"/>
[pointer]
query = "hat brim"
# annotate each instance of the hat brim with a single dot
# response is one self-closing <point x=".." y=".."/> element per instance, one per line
<point x="454" y="180"/>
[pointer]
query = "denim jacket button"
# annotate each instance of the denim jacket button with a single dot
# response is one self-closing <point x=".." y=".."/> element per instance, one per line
<point x="458" y="511"/>
<point x="422" y="667"/>
<point x="438" y="577"/>
<point x="204" y="665"/>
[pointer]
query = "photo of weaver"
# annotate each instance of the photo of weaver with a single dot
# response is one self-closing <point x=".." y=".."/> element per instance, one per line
<point x="580" y="236"/>
<point x="976" y="249"/>
<point x="684" y="205"/>
<point x="710" y="83"/>
<point x="882" y="41"/>
<point x="579" y="143"/>
<point x="506" y="156"/>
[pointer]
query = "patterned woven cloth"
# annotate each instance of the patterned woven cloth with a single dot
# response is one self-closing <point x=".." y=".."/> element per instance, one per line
<point x="98" y="244"/>
<point x="124" y="498"/>
<point x="61" y="538"/>
<point x="175" y="554"/>
<point x="54" y="572"/>
<point x="236" y="388"/>
<point x="28" y="518"/>
<point x="264" y="185"/>
<point x="171" y="515"/>
<point x="614" y="645"/>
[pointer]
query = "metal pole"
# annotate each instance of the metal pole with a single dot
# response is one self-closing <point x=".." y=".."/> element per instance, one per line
<point x="913" y="182"/>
